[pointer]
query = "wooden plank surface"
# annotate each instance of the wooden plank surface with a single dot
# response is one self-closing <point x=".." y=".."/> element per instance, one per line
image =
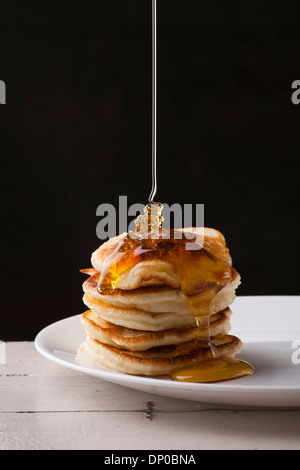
<point x="45" y="406"/>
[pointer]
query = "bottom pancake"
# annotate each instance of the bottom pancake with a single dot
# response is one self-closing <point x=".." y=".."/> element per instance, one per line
<point x="155" y="361"/>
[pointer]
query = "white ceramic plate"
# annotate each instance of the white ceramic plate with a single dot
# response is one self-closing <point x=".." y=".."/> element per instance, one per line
<point x="269" y="327"/>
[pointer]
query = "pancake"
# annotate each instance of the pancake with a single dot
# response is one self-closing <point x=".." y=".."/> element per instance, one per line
<point x="154" y="299"/>
<point x="155" y="361"/>
<point x="158" y="298"/>
<point x="138" y="340"/>
<point x="161" y="272"/>
<point x="158" y="271"/>
<point x="138" y="319"/>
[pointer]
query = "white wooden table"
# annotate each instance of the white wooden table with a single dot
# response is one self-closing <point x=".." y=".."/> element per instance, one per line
<point x="44" y="406"/>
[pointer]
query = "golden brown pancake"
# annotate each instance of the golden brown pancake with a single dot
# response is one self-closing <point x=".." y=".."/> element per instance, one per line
<point x="155" y="299"/>
<point x="139" y="340"/>
<point x="138" y="319"/>
<point x="158" y="271"/>
<point x="155" y="361"/>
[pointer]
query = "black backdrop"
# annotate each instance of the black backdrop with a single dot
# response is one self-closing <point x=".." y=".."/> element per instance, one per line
<point x="76" y="132"/>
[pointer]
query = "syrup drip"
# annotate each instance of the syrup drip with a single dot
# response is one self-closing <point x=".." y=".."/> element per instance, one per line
<point x="202" y="277"/>
<point x="152" y="219"/>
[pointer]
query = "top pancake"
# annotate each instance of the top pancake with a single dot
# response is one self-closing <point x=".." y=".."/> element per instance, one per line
<point x="157" y="272"/>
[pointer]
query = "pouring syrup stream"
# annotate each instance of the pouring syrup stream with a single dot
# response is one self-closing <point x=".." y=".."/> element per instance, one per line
<point x="154" y="103"/>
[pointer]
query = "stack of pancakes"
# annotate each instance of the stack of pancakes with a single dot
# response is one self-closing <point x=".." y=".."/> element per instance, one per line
<point x="142" y="327"/>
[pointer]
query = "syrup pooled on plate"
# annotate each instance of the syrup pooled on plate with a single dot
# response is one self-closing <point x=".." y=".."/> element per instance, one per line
<point x="202" y="276"/>
<point x="213" y="370"/>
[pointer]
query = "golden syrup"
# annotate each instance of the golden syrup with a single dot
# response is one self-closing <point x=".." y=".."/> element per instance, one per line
<point x="152" y="219"/>
<point x="213" y="370"/>
<point x="202" y="276"/>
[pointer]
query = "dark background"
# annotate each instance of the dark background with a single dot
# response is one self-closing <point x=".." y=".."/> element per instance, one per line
<point x="76" y="133"/>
